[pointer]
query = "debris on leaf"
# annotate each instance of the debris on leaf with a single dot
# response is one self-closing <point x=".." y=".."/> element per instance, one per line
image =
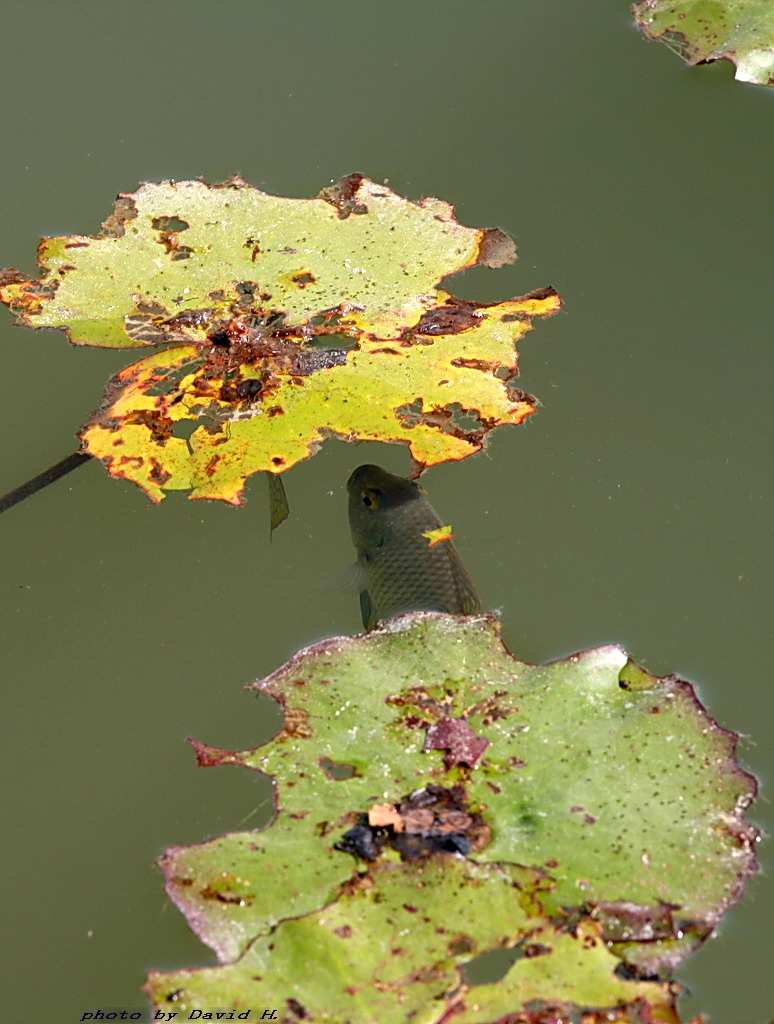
<point x="431" y="820"/>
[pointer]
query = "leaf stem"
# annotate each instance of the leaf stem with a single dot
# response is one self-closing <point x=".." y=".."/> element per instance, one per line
<point x="48" y="476"/>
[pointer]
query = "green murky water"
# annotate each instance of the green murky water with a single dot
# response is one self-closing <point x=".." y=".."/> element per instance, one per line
<point x="630" y="509"/>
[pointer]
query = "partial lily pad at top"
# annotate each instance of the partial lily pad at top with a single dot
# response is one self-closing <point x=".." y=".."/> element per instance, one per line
<point x="426" y="737"/>
<point x="700" y="31"/>
<point x="391" y="945"/>
<point x="277" y="322"/>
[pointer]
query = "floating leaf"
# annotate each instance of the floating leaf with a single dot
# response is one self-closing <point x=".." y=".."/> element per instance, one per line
<point x="390" y="946"/>
<point x="279" y="322"/>
<point x="699" y="31"/>
<point x="613" y="795"/>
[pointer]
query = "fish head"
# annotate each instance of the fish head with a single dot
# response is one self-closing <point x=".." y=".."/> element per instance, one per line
<point x="377" y="499"/>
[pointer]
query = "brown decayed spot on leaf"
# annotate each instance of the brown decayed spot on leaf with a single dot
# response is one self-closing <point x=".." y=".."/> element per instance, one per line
<point x="296" y="1011"/>
<point x="125" y="210"/>
<point x="158" y="474"/>
<point x="454" y="316"/>
<point x="296" y="725"/>
<point x="623" y="921"/>
<point x="159" y="425"/>
<point x="303" y="278"/>
<point x="496" y="249"/>
<point x="208" y="756"/>
<point x="455" y="736"/>
<point x="342" y="196"/>
<point x="484" y="365"/>
<point x="227" y="888"/>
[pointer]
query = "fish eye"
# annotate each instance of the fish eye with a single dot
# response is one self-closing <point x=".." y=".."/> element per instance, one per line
<point x="371" y="499"/>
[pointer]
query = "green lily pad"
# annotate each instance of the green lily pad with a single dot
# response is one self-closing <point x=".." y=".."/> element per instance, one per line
<point x="389" y="948"/>
<point x="700" y="31"/>
<point x="276" y="323"/>
<point x="426" y="738"/>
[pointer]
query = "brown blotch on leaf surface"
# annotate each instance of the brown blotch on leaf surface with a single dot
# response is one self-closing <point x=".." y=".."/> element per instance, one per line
<point x="296" y="725"/>
<point x="158" y="474"/>
<point x="484" y="365"/>
<point x="208" y="756"/>
<point x="455" y="316"/>
<point x="159" y="425"/>
<point x="496" y="249"/>
<point x="125" y="209"/>
<point x="303" y="279"/>
<point x="224" y="896"/>
<point x="296" y="1011"/>
<point x="455" y="736"/>
<point x="11" y="276"/>
<point x="343" y="196"/>
<point x="623" y="921"/>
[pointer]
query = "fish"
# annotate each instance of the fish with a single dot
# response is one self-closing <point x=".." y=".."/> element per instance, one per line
<point x="405" y="558"/>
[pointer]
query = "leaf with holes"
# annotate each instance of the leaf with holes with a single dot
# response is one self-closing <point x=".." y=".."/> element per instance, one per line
<point x="276" y="323"/>
<point x="612" y="794"/>
<point x="700" y="31"/>
<point x="391" y="945"/>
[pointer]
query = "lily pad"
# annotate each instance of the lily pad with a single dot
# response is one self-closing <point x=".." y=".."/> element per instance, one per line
<point x="700" y="31"/>
<point x="611" y="793"/>
<point x="278" y="322"/>
<point x="389" y="948"/>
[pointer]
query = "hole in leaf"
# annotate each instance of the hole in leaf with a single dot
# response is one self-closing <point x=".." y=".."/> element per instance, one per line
<point x="183" y="429"/>
<point x="410" y="414"/>
<point x="491" y="966"/>
<point x="327" y="318"/>
<point x="463" y="419"/>
<point x="332" y="341"/>
<point x="494" y="964"/>
<point x="336" y="771"/>
<point x="170" y="380"/>
<point x="169" y="224"/>
<point x="303" y="279"/>
<point x="451" y="419"/>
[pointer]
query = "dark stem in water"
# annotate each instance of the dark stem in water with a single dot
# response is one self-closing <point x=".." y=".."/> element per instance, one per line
<point x="48" y="476"/>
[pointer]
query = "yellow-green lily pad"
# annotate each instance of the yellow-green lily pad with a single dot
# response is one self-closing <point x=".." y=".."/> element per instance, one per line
<point x="275" y="323"/>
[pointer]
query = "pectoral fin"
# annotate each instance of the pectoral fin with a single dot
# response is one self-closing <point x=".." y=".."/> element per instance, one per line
<point x="352" y="580"/>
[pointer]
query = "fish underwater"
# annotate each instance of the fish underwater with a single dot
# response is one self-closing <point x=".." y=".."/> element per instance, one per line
<point x="399" y="567"/>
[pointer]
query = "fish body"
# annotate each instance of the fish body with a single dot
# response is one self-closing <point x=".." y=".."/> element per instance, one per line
<point x="400" y="568"/>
